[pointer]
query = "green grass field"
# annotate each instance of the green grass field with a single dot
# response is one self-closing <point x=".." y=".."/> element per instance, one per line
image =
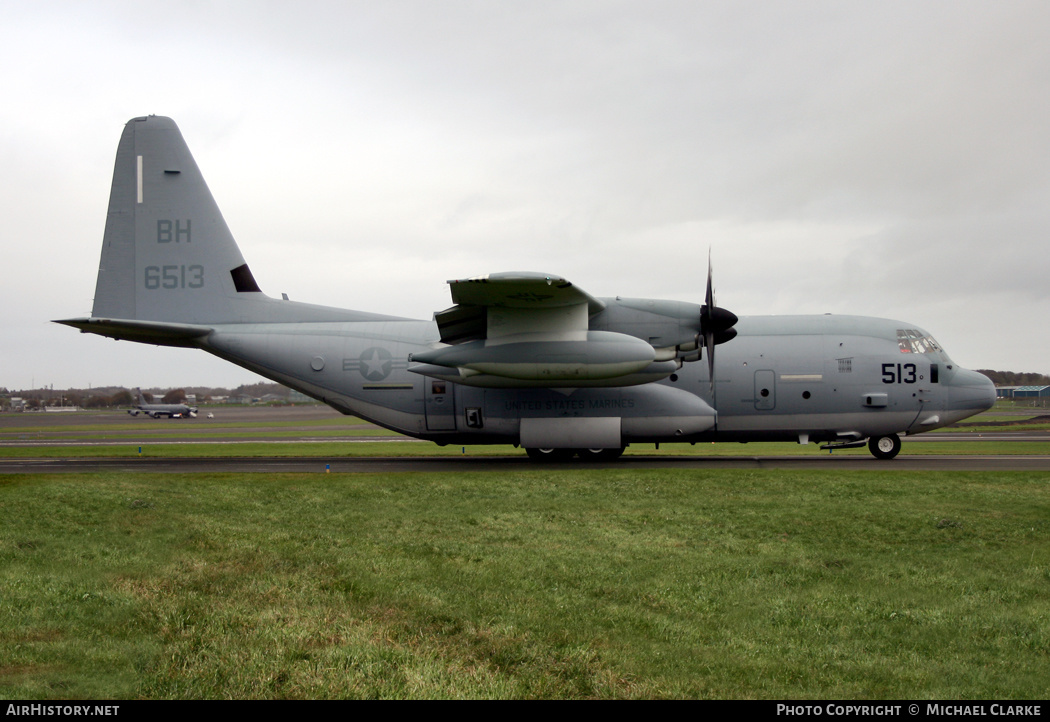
<point x="530" y="584"/>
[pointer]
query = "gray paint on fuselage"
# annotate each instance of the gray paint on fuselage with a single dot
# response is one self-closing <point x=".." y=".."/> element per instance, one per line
<point x="816" y="393"/>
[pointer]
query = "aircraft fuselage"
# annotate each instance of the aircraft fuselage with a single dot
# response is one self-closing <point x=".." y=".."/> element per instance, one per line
<point x="788" y="378"/>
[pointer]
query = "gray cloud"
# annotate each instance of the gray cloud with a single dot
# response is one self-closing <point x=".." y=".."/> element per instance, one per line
<point x="884" y="159"/>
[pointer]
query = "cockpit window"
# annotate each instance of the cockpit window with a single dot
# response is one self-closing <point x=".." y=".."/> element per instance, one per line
<point x="912" y="341"/>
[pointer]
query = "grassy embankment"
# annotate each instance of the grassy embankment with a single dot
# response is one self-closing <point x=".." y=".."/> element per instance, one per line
<point x="540" y="583"/>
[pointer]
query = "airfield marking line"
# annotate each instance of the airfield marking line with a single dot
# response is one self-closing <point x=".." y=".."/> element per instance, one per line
<point x="502" y="463"/>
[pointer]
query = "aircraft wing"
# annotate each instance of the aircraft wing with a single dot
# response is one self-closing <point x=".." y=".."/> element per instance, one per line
<point x="507" y="303"/>
<point x="521" y="290"/>
<point x="531" y="329"/>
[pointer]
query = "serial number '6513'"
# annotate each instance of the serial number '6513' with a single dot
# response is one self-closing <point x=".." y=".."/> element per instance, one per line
<point x="174" y="277"/>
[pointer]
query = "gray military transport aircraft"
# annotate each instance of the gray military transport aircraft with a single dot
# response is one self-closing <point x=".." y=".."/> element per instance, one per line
<point x="172" y="411"/>
<point x="527" y="359"/>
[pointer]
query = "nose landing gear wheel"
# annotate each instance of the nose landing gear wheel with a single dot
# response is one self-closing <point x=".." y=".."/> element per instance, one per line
<point x="884" y="447"/>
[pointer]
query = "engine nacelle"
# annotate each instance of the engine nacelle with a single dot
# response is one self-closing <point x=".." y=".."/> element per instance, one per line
<point x="669" y="326"/>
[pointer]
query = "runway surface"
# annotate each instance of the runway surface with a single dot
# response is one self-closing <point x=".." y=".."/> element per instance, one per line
<point x="319" y="424"/>
<point x="380" y="465"/>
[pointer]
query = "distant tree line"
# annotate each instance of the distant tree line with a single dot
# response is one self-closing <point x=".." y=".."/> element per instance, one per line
<point x="1013" y="378"/>
<point x="116" y="397"/>
<point x="120" y="398"/>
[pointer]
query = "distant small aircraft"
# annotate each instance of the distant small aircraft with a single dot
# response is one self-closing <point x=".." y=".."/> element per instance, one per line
<point x="527" y="359"/>
<point x="172" y="411"/>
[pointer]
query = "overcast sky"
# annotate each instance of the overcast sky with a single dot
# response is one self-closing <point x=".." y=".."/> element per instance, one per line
<point x="882" y="158"/>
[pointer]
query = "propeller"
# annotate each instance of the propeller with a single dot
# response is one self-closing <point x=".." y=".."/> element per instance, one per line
<point x="716" y="326"/>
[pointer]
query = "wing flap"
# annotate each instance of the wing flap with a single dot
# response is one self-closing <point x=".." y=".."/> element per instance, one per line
<point x="460" y="324"/>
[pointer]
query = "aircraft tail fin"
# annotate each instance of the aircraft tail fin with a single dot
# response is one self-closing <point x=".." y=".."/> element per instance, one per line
<point x="170" y="270"/>
<point x="167" y="254"/>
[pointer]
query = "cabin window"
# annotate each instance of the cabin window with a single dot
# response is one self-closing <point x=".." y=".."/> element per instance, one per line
<point x="935" y="374"/>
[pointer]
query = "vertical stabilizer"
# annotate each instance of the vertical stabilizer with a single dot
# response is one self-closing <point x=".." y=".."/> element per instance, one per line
<point x="167" y="254"/>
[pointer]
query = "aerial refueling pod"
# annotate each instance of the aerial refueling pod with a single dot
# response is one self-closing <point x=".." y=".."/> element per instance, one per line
<point x="653" y="372"/>
<point x="593" y="356"/>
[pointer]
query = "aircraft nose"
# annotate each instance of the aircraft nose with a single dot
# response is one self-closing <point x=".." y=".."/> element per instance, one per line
<point x="970" y="391"/>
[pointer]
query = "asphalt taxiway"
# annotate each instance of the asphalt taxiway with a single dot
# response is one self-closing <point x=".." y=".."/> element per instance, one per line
<point x="455" y="464"/>
<point x="313" y="423"/>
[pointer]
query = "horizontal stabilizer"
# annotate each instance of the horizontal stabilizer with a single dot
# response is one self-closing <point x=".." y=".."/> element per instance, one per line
<point x="155" y="332"/>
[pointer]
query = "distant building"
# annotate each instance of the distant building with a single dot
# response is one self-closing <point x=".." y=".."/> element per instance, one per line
<point x="1031" y="392"/>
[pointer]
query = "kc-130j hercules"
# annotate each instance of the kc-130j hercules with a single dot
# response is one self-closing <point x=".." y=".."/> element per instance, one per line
<point x="527" y="359"/>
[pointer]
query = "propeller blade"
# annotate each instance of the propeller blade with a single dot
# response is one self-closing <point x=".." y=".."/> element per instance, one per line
<point x="709" y="346"/>
<point x="709" y="296"/>
<point x="716" y="325"/>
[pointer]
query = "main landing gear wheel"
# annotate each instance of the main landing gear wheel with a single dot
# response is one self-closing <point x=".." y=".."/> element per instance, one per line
<point x="600" y="454"/>
<point x="884" y="447"/>
<point x="550" y="454"/>
<point x="566" y="454"/>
